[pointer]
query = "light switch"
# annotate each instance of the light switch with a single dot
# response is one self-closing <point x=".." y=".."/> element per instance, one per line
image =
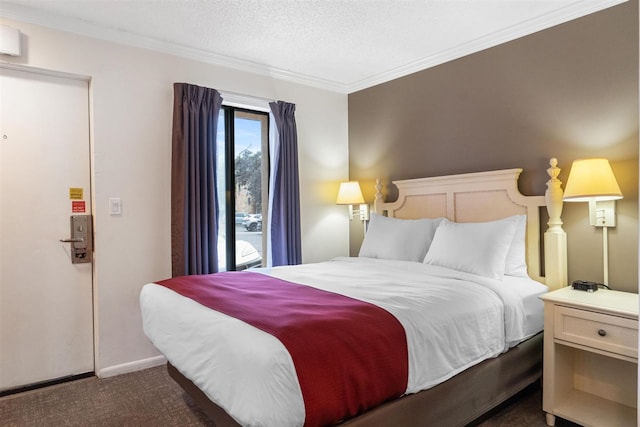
<point x="115" y="206"/>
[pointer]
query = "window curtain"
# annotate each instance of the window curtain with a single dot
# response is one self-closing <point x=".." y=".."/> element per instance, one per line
<point x="194" y="204"/>
<point x="284" y="240"/>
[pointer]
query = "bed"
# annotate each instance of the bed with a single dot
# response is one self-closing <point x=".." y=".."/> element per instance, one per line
<point x="453" y="374"/>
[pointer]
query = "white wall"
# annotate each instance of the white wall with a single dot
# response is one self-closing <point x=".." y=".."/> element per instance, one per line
<point x="131" y="102"/>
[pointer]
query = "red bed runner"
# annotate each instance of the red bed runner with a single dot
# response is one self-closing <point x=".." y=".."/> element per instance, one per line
<point x="349" y="355"/>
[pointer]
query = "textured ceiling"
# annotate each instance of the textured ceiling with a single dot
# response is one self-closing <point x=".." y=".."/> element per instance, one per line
<point x="341" y="45"/>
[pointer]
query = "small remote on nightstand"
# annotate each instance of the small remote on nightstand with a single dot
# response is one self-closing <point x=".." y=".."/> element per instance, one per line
<point x="583" y="285"/>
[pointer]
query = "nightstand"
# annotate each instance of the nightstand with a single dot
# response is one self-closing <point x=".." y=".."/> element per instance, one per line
<point x="591" y="357"/>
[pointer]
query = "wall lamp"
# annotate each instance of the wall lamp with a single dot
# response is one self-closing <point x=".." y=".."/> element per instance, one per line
<point x="351" y="194"/>
<point x="593" y="181"/>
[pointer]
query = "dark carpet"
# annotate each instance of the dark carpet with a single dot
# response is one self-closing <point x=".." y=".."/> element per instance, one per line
<point x="151" y="398"/>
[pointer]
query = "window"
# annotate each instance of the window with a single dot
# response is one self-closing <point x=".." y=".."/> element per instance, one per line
<point x="242" y="165"/>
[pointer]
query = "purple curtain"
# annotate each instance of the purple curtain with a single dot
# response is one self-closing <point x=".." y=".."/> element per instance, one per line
<point x="284" y="193"/>
<point x="194" y="204"/>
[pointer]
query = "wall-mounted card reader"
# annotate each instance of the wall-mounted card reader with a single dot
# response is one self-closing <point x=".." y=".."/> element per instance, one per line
<point x="81" y="239"/>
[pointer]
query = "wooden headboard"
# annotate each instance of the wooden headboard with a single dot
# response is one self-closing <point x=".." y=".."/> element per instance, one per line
<point x="487" y="196"/>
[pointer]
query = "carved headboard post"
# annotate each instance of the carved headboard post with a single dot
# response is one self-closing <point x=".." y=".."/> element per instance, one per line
<point x="379" y="199"/>
<point x="555" y="238"/>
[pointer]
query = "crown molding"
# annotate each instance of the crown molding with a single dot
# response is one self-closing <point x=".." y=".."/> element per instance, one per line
<point x="571" y="11"/>
<point x="76" y="26"/>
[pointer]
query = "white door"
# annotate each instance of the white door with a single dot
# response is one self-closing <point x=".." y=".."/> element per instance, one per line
<point x="46" y="320"/>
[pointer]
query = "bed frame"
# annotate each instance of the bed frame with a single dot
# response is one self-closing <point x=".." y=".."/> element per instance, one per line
<point x="472" y="197"/>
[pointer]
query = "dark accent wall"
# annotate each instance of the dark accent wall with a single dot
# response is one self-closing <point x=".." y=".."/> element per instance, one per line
<point x="569" y="92"/>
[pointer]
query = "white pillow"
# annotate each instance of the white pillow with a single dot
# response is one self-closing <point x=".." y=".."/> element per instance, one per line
<point x="398" y="239"/>
<point x="473" y="247"/>
<point x="516" y="262"/>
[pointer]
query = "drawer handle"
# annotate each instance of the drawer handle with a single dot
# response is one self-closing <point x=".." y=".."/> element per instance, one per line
<point x="602" y="332"/>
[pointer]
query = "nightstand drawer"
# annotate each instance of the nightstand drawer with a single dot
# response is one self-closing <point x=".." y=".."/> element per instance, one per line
<point x="600" y="331"/>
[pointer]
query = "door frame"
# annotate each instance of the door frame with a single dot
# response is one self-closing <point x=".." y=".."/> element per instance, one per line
<point x="89" y="81"/>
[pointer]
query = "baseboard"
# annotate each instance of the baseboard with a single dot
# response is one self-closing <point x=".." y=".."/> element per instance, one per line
<point x="137" y="365"/>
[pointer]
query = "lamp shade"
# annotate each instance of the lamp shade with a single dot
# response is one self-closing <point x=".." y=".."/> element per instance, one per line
<point x="591" y="179"/>
<point x="350" y="194"/>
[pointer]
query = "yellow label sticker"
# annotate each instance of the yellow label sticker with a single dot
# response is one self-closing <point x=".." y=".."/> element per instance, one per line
<point x="76" y="193"/>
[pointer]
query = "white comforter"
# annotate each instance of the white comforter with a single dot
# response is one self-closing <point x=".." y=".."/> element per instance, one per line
<point x="452" y="321"/>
